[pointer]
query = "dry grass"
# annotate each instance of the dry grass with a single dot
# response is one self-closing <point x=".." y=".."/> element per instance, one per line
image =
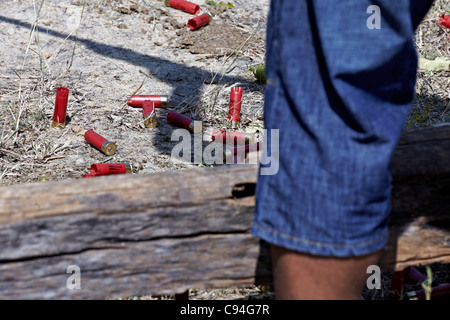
<point x="432" y="101"/>
<point x="25" y="138"/>
<point x="27" y="91"/>
<point x="215" y="98"/>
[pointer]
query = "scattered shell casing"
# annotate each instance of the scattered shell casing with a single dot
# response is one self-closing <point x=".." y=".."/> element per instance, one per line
<point x="160" y="101"/>
<point x="239" y="151"/>
<point x="238" y="138"/>
<point x="107" y="147"/>
<point x="199" y="21"/>
<point x="445" y="21"/>
<point x="59" y="115"/>
<point x="104" y="169"/>
<point x="184" y="122"/>
<point x="234" y="111"/>
<point x="183" y="5"/>
<point x="150" y="119"/>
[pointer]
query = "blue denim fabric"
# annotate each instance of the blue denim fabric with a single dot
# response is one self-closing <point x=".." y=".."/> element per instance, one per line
<point x="339" y="93"/>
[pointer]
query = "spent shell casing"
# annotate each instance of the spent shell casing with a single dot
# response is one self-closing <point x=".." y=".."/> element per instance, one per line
<point x="59" y="115"/>
<point x="445" y="21"/>
<point x="184" y="122"/>
<point x="199" y="21"/>
<point x="240" y="151"/>
<point x="238" y="138"/>
<point x="150" y="119"/>
<point x="160" y="101"/>
<point x="234" y="110"/>
<point x="103" y="169"/>
<point x="107" y="147"/>
<point x="183" y="5"/>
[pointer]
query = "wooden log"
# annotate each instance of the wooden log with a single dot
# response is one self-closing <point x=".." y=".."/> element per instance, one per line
<point x="420" y="209"/>
<point x="130" y="235"/>
<point x="165" y="233"/>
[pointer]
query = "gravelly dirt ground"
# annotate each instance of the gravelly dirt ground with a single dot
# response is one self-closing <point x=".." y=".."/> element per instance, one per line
<point x="106" y="50"/>
<point x="120" y="47"/>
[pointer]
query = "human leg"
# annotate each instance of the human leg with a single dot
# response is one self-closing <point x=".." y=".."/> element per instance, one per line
<point x="339" y="93"/>
<point x="300" y="276"/>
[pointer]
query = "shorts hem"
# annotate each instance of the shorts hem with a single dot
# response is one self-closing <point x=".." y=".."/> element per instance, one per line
<point x="340" y="250"/>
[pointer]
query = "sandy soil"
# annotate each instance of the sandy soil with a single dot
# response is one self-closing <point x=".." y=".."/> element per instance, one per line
<point x="120" y="48"/>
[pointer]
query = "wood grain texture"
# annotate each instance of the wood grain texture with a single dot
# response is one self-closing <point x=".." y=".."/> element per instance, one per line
<point x="420" y="206"/>
<point x="125" y="269"/>
<point x="167" y="232"/>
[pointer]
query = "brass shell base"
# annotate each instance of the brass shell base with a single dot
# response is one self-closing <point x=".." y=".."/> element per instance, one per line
<point x="129" y="169"/>
<point x="164" y="101"/>
<point x="58" y="125"/>
<point x="151" y="122"/>
<point x="196" y="127"/>
<point x="109" y="148"/>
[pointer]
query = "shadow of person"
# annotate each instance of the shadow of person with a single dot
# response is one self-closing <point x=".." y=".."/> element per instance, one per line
<point x="165" y="71"/>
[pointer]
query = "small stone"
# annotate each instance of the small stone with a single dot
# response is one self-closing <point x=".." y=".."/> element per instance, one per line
<point x="77" y="2"/>
<point x="123" y="10"/>
<point x="176" y="24"/>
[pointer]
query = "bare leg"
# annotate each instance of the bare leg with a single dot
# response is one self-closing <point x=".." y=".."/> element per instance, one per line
<point x="300" y="276"/>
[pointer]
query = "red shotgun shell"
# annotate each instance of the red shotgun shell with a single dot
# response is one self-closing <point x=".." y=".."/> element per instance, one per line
<point x="138" y="100"/>
<point x="108" y="147"/>
<point x="150" y="119"/>
<point x="445" y="21"/>
<point x="184" y="122"/>
<point x="234" y="112"/>
<point x="104" y="169"/>
<point x="237" y="137"/>
<point x="59" y="116"/>
<point x="199" y="21"/>
<point x="183" y="5"/>
<point x="238" y="151"/>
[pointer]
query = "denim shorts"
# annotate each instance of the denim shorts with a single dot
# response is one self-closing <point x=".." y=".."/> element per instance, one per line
<point x="340" y="82"/>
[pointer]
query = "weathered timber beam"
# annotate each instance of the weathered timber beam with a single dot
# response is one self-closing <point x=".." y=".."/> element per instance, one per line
<point x="167" y="232"/>
<point x="420" y="213"/>
<point x="130" y="235"/>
